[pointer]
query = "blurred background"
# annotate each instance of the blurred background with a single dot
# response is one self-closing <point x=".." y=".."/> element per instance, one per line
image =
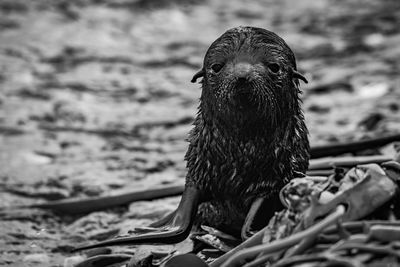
<point x="95" y="97"/>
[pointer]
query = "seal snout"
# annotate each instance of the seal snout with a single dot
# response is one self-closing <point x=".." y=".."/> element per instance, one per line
<point x="243" y="93"/>
<point x="242" y="74"/>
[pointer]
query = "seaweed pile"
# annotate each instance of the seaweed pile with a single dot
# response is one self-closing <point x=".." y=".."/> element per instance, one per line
<point x="346" y="219"/>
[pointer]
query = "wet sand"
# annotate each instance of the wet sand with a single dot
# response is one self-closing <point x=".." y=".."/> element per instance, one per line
<point x="95" y="98"/>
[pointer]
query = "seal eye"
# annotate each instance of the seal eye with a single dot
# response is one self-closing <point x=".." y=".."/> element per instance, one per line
<point x="216" y="67"/>
<point x="274" y="67"/>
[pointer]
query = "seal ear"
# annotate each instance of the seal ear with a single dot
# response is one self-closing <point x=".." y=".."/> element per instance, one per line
<point x="199" y="74"/>
<point x="298" y="75"/>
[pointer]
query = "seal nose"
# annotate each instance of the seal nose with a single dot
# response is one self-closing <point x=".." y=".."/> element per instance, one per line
<point x="242" y="70"/>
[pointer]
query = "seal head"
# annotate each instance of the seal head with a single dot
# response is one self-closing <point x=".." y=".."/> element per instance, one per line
<point x="250" y="78"/>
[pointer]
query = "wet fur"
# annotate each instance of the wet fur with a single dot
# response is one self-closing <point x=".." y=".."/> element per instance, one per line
<point x="236" y="156"/>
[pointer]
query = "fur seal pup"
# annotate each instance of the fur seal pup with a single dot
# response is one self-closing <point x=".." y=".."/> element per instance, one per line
<point x="249" y="138"/>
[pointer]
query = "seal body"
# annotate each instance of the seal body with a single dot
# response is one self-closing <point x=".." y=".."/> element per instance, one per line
<point x="249" y="137"/>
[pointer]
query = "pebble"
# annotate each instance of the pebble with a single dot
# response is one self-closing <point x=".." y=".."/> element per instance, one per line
<point x="37" y="258"/>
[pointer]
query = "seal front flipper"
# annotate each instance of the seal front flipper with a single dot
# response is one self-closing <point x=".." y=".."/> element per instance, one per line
<point x="173" y="229"/>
